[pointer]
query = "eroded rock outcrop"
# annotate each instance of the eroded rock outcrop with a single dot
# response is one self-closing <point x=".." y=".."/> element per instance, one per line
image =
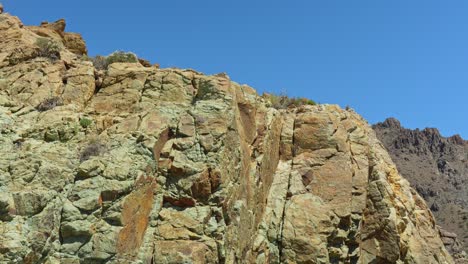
<point x="173" y="166"/>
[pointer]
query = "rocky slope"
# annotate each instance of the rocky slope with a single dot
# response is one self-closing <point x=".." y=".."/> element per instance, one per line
<point x="438" y="168"/>
<point x="138" y="164"/>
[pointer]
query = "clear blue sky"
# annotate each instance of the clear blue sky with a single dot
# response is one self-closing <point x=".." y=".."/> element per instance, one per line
<point x="400" y="58"/>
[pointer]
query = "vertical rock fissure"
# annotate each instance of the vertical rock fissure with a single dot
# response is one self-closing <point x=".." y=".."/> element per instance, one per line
<point x="146" y="86"/>
<point x="60" y="237"/>
<point x="152" y="252"/>
<point x="293" y="154"/>
<point x="355" y="217"/>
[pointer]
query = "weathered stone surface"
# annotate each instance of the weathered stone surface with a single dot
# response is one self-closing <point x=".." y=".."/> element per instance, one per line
<point x="75" y="43"/>
<point x="183" y="252"/>
<point x="57" y="26"/>
<point x="180" y="167"/>
<point x="135" y="216"/>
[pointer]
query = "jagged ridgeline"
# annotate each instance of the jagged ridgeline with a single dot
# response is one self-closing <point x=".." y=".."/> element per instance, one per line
<point x="437" y="167"/>
<point x="135" y="164"/>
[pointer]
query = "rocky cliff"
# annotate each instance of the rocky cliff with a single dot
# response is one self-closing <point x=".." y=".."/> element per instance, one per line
<point x="438" y="169"/>
<point x="136" y="164"/>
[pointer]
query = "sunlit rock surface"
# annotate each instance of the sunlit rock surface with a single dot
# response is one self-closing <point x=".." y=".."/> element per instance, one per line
<point x="144" y="165"/>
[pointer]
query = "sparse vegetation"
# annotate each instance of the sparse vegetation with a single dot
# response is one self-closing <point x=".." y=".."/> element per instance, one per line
<point x="94" y="148"/>
<point x="48" y="48"/>
<point x="121" y="56"/>
<point x="99" y="62"/>
<point x="102" y="62"/>
<point x="283" y="101"/>
<point x="85" y="122"/>
<point x="49" y="103"/>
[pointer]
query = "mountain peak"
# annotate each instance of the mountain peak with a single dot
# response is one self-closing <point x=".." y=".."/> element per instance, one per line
<point x="391" y="122"/>
<point x="437" y="167"/>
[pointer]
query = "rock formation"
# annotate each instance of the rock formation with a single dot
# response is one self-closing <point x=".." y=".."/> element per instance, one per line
<point x="438" y="169"/>
<point x="173" y="166"/>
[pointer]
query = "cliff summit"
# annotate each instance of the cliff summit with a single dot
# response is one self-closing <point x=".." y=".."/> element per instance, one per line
<point x="135" y="164"/>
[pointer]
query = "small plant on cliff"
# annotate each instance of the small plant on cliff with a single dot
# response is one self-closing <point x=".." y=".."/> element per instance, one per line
<point x="102" y="62"/>
<point x="121" y="56"/>
<point x="49" y="103"/>
<point x="99" y="62"/>
<point x="48" y="48"/>
<point x="94" y="148"/>
<point x="283" y="101"/>
<point x="85" y="122"/>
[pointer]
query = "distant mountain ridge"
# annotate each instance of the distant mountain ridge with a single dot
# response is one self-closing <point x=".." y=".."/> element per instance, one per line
<point x="437" y="167"/>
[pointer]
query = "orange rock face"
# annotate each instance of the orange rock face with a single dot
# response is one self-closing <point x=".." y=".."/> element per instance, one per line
<point x="135" y="216"/>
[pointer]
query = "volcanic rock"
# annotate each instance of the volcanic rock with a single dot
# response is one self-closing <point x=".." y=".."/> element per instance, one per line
<point x="437" y="167"/>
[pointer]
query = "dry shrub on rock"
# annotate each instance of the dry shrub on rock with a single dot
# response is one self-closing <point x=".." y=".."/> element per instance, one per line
<point x="49" y="103"/>
<point x="94" y="148"/>
<point x="48" y="48"/>
<point x="282" y="101"/>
